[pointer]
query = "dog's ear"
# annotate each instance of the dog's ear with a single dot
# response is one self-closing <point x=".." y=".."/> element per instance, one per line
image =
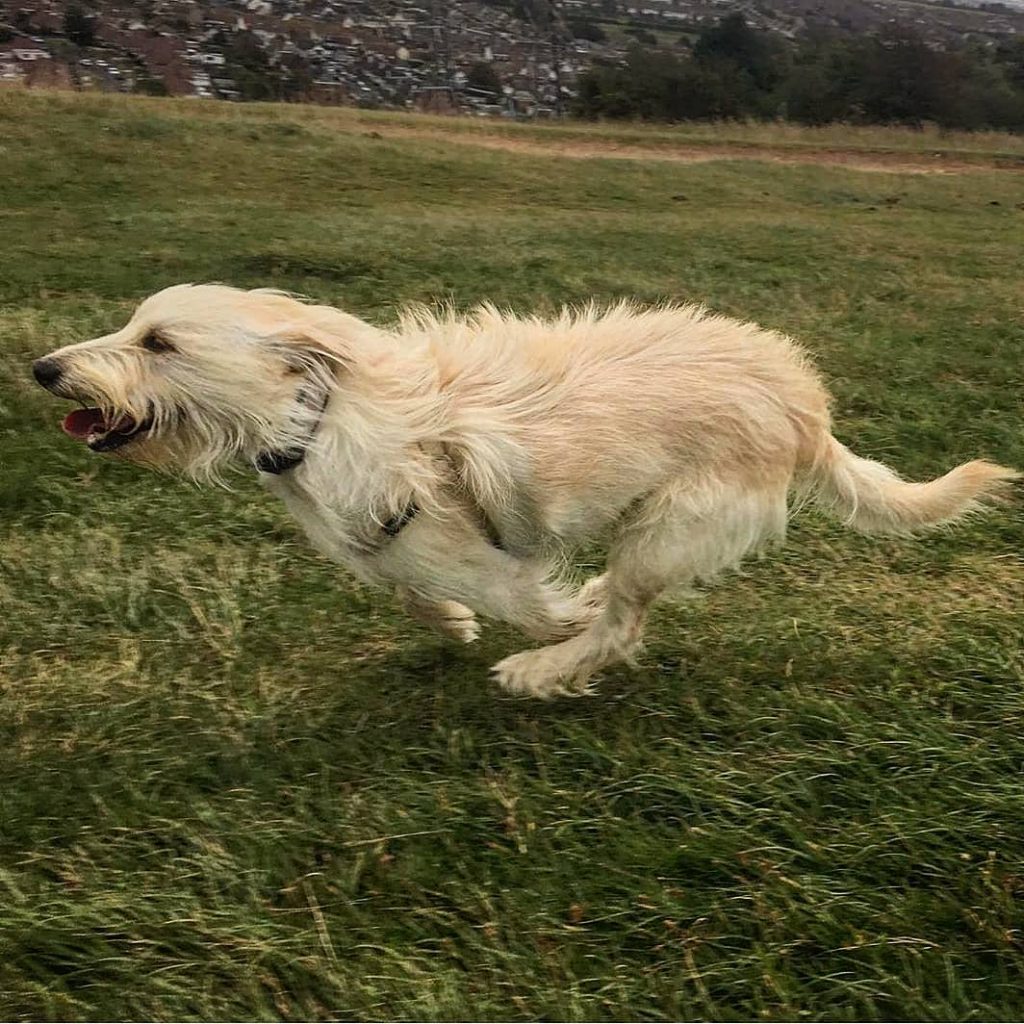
<point x="327" y="336"/>
<point x="320" y="335"/>
<point x="306" y="349"/>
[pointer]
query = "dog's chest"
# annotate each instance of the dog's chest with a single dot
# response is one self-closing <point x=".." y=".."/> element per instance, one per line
<point x="341" y="531"/>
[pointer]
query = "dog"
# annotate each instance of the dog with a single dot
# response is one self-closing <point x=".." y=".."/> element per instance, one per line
<point x="457" y="459"/>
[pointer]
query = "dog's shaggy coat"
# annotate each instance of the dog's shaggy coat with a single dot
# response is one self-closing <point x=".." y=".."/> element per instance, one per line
<point x="497" y="443"/>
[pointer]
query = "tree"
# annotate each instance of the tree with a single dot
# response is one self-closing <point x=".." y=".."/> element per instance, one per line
<point x="296" y="77"/>
<point x="79" y="27"/>
<point x="483" y="77"/>
<point x="892" y="77"/>
<point x="903" y="79"/>
<point x="1010" y="58"/>
<point x="823" y="84"/>
<point x="249" y="66"/>
<point x="732" y="39"/>
<point x="657" y="85"/>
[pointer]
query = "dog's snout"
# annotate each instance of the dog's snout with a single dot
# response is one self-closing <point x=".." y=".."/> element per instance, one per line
<point x="47" y="371"/>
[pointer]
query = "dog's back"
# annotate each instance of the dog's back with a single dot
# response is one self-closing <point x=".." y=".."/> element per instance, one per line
<point x="605" y="406"/>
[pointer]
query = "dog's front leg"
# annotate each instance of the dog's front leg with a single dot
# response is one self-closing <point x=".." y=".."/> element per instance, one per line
<point x="448" y="617"/>
<point x="451" y="562"/>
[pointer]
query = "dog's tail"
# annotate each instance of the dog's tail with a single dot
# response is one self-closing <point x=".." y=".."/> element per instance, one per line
<point x="871" y="498"/>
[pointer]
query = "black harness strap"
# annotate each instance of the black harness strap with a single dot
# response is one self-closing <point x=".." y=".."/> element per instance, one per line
<point x="396" y="524"/>
<point x="278" y="462"/>
<point x="493" y="537"/>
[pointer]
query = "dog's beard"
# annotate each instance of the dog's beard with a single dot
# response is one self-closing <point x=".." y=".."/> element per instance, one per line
<point x="182" y="433"/>
<point x="196" y="448"/>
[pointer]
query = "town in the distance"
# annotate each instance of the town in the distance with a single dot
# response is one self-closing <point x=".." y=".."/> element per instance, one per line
<point x="519" y="58"/>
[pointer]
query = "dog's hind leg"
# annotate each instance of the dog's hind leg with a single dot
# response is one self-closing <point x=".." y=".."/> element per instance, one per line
<point x="679" y="536"/>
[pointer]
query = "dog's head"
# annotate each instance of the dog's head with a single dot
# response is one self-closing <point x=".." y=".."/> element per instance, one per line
<point x="202" y="373"/>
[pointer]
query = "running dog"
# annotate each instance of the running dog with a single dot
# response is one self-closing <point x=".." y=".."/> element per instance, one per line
<point x="457" y="458"/>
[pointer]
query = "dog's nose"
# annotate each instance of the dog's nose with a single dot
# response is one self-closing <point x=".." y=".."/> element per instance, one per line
<point x="46" y="371"/>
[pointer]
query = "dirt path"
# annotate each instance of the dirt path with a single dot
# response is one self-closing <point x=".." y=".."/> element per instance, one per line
<point x="689" y="153"/>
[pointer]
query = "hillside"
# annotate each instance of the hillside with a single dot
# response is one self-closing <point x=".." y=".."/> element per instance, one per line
<point x="236" y="785"/>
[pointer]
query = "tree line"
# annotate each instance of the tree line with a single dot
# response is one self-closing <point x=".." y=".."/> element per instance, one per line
<point x="733" y="71"/>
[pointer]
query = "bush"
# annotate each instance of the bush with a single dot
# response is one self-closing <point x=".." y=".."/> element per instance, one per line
<point x="589" y="30"/>
<point x="150" y="86"/>
<point x="642" y="35"/>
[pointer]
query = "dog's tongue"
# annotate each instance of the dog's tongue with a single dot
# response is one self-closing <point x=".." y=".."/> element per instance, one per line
<point x="84" y="422"/>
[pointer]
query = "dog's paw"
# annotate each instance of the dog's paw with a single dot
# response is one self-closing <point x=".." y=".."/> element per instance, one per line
<point x="593" y="595"/>
<point x="452" y="619"/>
<point x="536" y="674"/>
<point x="463" y="628"/>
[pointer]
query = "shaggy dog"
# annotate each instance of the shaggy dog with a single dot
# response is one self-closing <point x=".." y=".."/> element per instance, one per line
<point x="456" y="459"/>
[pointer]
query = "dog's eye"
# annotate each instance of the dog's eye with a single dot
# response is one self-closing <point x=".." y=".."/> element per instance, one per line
<point x="154" y="343"/>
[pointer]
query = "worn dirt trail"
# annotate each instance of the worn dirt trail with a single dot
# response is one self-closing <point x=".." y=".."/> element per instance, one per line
<point x="690" y="153"/>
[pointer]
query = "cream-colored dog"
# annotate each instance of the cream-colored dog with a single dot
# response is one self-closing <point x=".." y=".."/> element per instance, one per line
<point x="458" y="458"/>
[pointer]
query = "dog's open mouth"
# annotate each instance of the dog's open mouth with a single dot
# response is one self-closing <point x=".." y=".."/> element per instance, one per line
<point x="101" y="433"/>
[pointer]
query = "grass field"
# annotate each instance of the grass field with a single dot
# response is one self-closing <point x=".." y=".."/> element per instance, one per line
<point x="235" y="785"/>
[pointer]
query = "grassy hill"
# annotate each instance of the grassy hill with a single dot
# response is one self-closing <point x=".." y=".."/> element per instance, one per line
<point x="235" y="785"/>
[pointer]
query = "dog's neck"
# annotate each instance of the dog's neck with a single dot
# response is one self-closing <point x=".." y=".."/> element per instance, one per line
<point x="315" y="395"/>
<point x="362" y="470"/>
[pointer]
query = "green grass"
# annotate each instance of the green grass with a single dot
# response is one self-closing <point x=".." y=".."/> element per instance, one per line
<point x="235" y="785"/>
